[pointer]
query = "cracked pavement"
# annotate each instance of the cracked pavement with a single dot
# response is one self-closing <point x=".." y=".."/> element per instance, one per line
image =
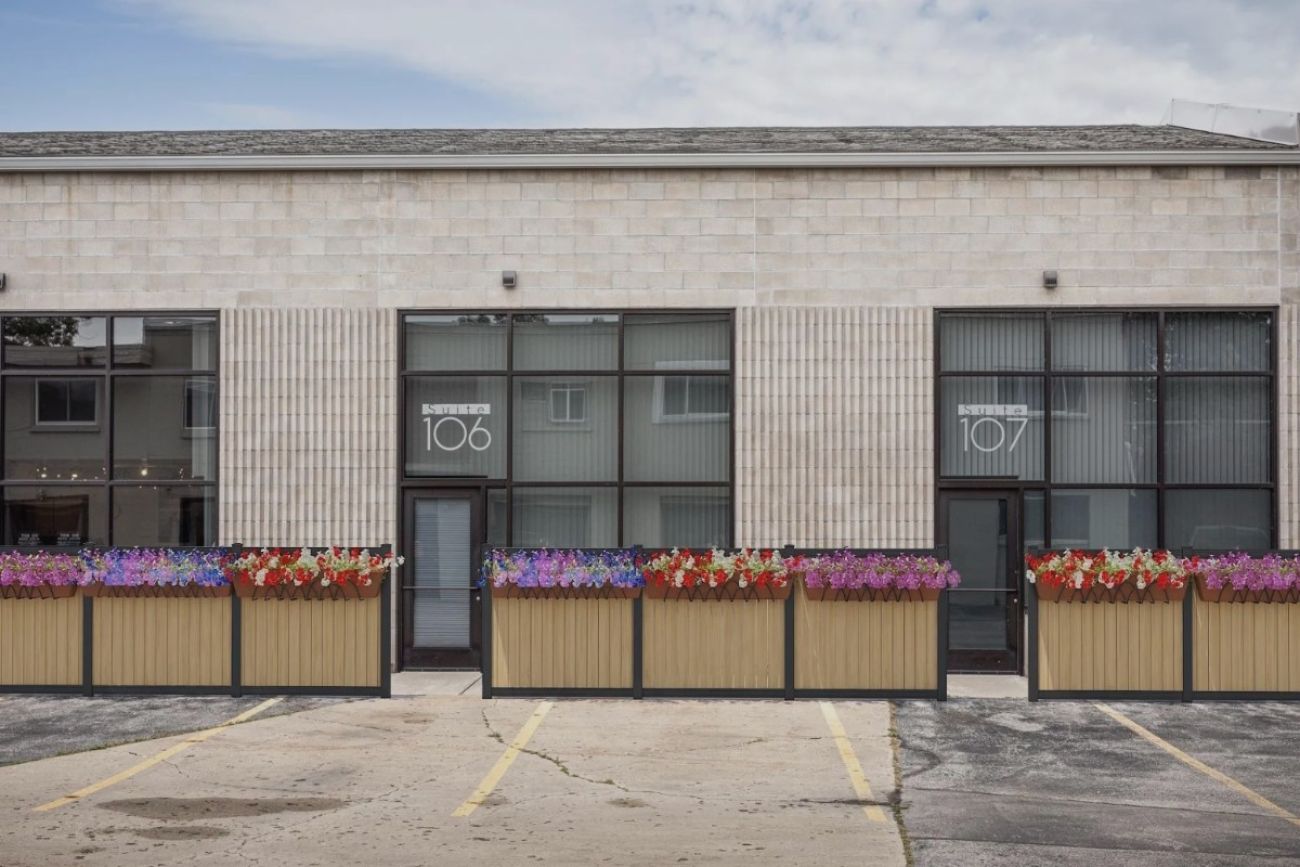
<point x="376" y="782"/>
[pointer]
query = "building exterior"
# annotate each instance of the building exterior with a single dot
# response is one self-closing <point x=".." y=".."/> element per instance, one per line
<point x="763" y="336"/>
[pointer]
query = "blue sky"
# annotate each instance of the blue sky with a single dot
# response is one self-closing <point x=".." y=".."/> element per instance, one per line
<point x="185" y="64"/>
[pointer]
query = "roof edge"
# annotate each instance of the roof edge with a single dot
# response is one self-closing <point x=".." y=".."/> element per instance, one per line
<point x="272" y="162"/>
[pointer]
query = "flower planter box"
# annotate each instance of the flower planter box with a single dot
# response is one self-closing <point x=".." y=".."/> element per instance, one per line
<point x="729" y="592"/>
<point x="866" y="640"/>
<point x="737" y="644"/>
<point x="161" y="636"/>
<point x="312" y="591"/>
<point x="1124" y="593"/>
<point x="512" y="591"/>
<point x="1108" y="646"/>
<point x="38" y="591"/>
<point x="164" y="591"/>
<point x="562" y="638"/>
<point x="40" y="637"/>
<point x="1245" y="641"/>
<point x="870" y="594"/>
<point x="315" y="642"/>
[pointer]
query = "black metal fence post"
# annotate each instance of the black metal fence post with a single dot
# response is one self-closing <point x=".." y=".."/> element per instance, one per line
<point x="788" y="551"/>
<point x="87" y="645"/>
<point x="485" y="655"/>
<point x="638" y="636"/>
<point x="941" y="676"/>
<point x="1031" y="603"/>
<point x="1188" y="630"/>
<point x="236" y="645"/>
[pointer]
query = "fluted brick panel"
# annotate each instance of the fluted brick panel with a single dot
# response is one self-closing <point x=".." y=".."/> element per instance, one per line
<point x="834" y="426"/>
<point x="1288" y="425"/>
<point x="308" y="438"/>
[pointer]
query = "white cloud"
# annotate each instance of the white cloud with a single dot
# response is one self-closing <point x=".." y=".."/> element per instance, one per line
<point x="718" y="62"/>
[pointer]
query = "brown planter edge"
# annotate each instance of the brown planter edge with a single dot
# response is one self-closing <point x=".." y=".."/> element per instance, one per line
<point x="870" y="594"/>
<point x="512" y="591"/>
<point x="308" y="592"/>
<point x="1123" y="594"/>
<point x="161" y="591"/>
<point x="38" y="591"/>
<point x="726" y="593"/>
<point x="1230" y="595"/>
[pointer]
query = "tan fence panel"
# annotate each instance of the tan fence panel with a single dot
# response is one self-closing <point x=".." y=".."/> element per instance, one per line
<point x="865" y="645"/>
<point x="562" y="643"/>
<point x="313" y="643"/>
<point x="161" y="642"/>
<point x="40" y="642"/>
<point x="1101" y="646"/>
<point x="1246" y="647"/>
<point x="713" y="644"/>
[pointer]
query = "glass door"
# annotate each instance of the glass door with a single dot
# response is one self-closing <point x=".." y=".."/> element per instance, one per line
<point x="440" y="617"/>
<point x="982" y="532"/>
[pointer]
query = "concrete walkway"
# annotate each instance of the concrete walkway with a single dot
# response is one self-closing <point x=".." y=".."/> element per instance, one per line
<point x="411" y="781"/>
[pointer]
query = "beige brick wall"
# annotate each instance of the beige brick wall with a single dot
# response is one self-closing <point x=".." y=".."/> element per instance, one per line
<point x="639" y="238"/>
<point x="834" y="426"/>
<point x="308" y="427"/>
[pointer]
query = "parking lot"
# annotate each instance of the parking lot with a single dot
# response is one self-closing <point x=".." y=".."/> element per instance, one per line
<point x="437" y="777"/>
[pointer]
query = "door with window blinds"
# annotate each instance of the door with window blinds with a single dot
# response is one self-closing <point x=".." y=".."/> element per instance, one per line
<point x="443" y="572"/>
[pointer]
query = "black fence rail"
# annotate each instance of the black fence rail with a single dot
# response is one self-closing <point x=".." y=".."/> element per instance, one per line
<point x="789" y="690"/>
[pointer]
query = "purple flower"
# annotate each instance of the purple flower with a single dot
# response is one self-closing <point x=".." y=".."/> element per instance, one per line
<point x="562" y="567"/>
<point x="1243" y="572"/>
<point x="845" y="570"/>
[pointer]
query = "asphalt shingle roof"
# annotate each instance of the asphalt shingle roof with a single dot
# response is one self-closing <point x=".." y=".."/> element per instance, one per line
<point x="720" y="140"/>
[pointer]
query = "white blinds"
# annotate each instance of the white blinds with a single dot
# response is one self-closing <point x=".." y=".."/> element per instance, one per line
<point x="443" y="572"/>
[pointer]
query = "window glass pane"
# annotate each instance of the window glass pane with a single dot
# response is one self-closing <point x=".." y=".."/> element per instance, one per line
<point x="496" y="517"/>
<point x="992" y="426"/>
<point x="1103" y="341"/>
<point x="56" y="515"/>
<point x="1218" y="341"/>
<point x="566" y="517"/>
<point x="566" y="429"/>
<point x="173" y="342"/>
<point x="1001" y="341"/>
<point x="683" y="517"/>
<point x="163" y="428"/>
<point x="1104" y="429"/>
<point x="55" y="341"/>
<point x="455" y="426"/>
<point x="1103" y="519"/>
<point x="1035" y="505"/>
<point x="554" y="341"/>
<point x="668" y="341"/>
<point x="676" y="431"/>
<point x="1212" y="520"/>
<point x="165" y="515"/>
<point x="54" y="428"/>
<point x="469" y="341"/>
<point x="1217" y="430"/>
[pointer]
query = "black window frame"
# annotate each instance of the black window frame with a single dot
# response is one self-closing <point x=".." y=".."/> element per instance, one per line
<point x="107" y="373"/>
<point x="621" y="373"/>
<point x="1162" y="374"/>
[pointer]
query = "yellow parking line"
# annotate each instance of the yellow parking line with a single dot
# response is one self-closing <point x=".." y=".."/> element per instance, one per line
<point x="851" y="763"/>
<point x="196" y="738"/>
<point x="1193" y="762"/>
<point x="503" y="764"/>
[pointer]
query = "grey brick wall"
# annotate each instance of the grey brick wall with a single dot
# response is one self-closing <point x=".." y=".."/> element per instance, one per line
<point x="636" y="238"/>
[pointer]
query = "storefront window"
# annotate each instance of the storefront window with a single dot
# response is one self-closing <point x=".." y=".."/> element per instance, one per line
<point x="1116" y="408"/>
<point x="616" y="430"/>
<point x="66" y="480"/>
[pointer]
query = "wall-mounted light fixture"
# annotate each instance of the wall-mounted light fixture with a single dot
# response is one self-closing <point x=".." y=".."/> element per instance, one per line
<point x="1049" y="280"/>
<point x="509" y="279"/>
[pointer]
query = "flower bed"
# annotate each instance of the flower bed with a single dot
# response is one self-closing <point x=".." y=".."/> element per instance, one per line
<point x="40" y="575"/>
<point x="1240" y="577"/>
<point x="562" y="573"/>
<point x="297" y="573"/>
<point x="1108" y="576"/>
<point x="875" y="576"/>
<point x="159" y="572"/>
<point x="748" y="573"/>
